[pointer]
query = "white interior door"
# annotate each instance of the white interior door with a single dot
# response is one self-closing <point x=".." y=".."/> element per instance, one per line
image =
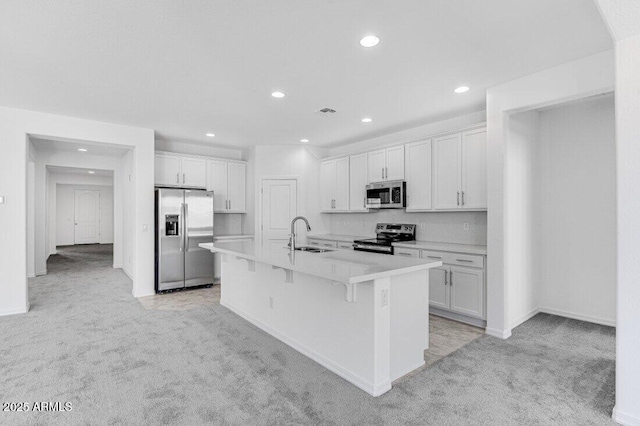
<point x="279" y="207"/>
<point x="87" y="217"/>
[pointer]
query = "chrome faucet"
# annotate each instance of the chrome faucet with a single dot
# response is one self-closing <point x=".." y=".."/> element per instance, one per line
<point x="292" y="237"/>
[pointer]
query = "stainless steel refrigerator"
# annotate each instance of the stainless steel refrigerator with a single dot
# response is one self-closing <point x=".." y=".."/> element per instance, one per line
<point x="184" y="219"/>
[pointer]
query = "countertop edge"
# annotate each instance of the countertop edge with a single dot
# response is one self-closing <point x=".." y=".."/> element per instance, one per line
<point x="429" y="245"/>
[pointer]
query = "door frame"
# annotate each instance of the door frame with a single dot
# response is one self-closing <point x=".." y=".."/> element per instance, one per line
<point x="260" y="195"/>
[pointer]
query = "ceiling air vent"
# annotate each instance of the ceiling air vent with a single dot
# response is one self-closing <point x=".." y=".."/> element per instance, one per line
<point x="326" y="111"/>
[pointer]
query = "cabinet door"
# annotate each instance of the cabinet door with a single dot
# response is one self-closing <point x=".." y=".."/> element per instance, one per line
<point x="377" y="163"/>
<point x="446" y="164"/>
<point x="467" y="291"/>
<point x="418" y="175"/>
<point x="357" y="182"/>
<point x="167" y="170"/>
<point x="194" y="172"/>
<point x="327" y="184"/>
<point x="341" y="191"/>
<point x="218" y="184"/>
<point x="395" y="163"/>
<point x="439" y="288"/>
<point x="236" y="186"/>
<point x="474" y="169"/>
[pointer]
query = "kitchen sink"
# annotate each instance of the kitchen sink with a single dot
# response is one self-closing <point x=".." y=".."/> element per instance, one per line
<point x="313" y="249"/>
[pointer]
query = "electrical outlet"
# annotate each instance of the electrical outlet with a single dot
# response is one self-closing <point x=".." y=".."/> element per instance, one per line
<point x="270" y="302"/>
<point x="423" y="225"/>
<point x="385" y="297"/>
<point x="465" y="226"/>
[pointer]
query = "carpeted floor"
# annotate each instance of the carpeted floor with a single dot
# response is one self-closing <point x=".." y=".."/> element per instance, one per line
<point x="88" y="342"/>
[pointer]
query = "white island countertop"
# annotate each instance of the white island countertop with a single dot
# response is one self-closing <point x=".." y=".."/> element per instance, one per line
<point x="338" y="265"/>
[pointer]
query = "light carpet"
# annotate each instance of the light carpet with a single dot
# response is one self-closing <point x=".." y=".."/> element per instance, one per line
<point x="89" y="342"/>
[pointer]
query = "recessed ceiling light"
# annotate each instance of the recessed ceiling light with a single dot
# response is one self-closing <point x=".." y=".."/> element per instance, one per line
<point x="369" y="41"/>
<point x="367" y="120"/>
<point x="211" y="135"/>
<point x="462" y="89"/>
<point x="304" y="140"/>
<point x="82" y="149"/>
<point x="277" y="95"/>
<point x="91" y="172"/>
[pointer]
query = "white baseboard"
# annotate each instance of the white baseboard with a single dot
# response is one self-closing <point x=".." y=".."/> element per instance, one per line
<point x="526" y="317"/>
<point x="500" y="334"/>
<point x="143" y="294"/>
<point x="370" y="388"/>
<point x="31" y="275"/>
<point x="580" y="317"/>
<point x="127" y="273"/>
<point x="16" y="311"/>
<point x="38" y="273"/>
<point x="624" y="418"/>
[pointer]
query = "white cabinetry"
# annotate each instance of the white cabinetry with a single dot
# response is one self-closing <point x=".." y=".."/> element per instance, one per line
<point x="227" y="179"/>
<point x="357" y="182"/>
<point x="418" y="175"/>
<point x="460" y="171"/>
<point x="334" y="185"/>
<point x="182" y="171"/>
<point x="457" y="288"/>
<point x="386" y="164"/>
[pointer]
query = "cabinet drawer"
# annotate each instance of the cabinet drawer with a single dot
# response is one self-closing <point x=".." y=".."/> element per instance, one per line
<point x="406" y="252"/>
<point x="473" y="261"/>
<point x="322" y="243"/>
<point x="345" y="246"/>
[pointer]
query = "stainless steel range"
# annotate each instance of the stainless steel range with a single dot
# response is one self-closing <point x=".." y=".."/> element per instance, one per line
<point x="386" y="234"/>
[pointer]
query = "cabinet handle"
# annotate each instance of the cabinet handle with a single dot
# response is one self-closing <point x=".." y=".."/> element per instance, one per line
<point x="313" y="243"/>
<point x="465" y="260"/>
<point x="434" y="257"/>
<point x="229" y="204"/>
<point x="183" y="179"/>
<point x="386" y="173"/>
<point x="403" y="254"/>
<point x="177" y="177"/>
<point x="364" y="202"/>
<point x="451" y="278"/>
<point x="458" y="197"/>
<point x="445" y="278"/>
<point x="383" y="173"/>
<point x="463" y="198"/>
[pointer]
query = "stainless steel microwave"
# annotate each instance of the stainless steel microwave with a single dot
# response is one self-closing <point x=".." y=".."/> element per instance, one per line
<point x="387" y="195"/>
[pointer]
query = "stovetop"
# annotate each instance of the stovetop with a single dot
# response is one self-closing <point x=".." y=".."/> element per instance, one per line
<point x="388" y="233"/>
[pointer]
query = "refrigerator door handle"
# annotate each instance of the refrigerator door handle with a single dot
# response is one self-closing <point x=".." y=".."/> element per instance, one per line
<point x="181" y="228"/>
<point x="186" y="227"/>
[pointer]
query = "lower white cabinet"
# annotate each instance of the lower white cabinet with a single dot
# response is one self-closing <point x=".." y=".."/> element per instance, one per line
<point x="319" y="242"/>
<point x="458" y="286"/>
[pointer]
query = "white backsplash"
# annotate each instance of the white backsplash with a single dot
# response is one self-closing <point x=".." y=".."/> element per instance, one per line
<point x="227" y="224"/>
<point x="447" y="227"/>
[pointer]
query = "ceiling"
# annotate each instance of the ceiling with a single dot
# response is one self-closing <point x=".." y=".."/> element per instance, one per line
<point x="92" y="148"/>
<point x="79" y="171"/>
<point x="188" y="68"/>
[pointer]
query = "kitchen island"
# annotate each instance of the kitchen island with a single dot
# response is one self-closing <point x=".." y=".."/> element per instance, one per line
<point x="363" y="316"/>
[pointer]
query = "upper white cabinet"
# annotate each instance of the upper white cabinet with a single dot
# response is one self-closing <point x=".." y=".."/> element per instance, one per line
<point x="474" y="169"/>
<point x="334" y="185"/>
<point x="460" y="171"/>
<point x="418" y="175"/>
<point x="167" y="170"/>
<point x="358" y="180"/>
<point x="180" y="170"/>
<point x="386" y="164"/>
<point x="227" y="179"/>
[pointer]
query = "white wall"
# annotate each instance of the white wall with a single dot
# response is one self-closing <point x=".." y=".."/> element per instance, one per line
<point x="578" y="79"/>
<point x="65" y="213"/>
<point x="627" y="410"/>
<point x="441" y="226"/>
<point x="15" y="127"/>
<point x="409" y="135"/>
<point x="199" y="149"/>
<point x="576" y="211"/>
<point x="266" y="162"/>
<point x="520" y="253"/>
